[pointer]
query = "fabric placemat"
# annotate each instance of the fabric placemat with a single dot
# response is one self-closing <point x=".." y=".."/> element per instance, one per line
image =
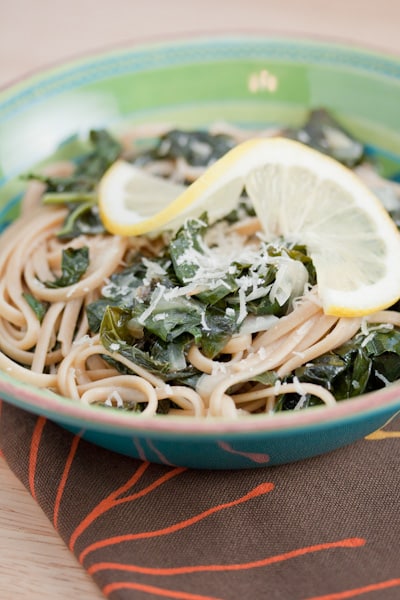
<point x="326" y="528"/>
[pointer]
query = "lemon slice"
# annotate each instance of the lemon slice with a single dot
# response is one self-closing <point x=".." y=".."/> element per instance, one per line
<point x="129" y="197"/>
<point x="299" y="194"/>
<point x="133" y="202"/>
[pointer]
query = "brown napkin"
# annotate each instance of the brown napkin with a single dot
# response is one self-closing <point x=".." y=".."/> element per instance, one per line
<point x="326" y="528"/>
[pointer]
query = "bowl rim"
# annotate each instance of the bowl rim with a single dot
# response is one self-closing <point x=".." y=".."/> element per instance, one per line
<point x="199" y="35"/>
<point x="42" y="401"/>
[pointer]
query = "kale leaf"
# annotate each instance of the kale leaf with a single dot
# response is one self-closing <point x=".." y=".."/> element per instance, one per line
<point x="170" y="318"/>
<point x="83" y="219"/>
<point x="185" y="245"/>
<point x="38" y="307"/>
<point x="198" y="148"/>
<point x="167" y="361"/>
<point x="78" y="190"/>
<point x="74" y="264"/>
<point x="363" y="364"/>
<point x="89" y="168"/>
<point x="122" y="291"/>
<point x="323" y="132"/>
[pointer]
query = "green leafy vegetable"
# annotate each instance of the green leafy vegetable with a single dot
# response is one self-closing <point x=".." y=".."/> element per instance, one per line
<point x="95" y="312"/>
<point x="383" y="349"/>
<point x="74" y="264"/>
<point x="170" y="318"/>
<point x="78" y="191"/>
<point x="299" y="252"/>
<point x="366" y="363"/>
<point x="89" y="169"/>
<point x="82" y="220"/>
<point x="106" y="150"/>
<point x="183" y="249"/>
<point x="187" y="241"/>
<point x="198" y="148"/>
<point x="69" y="198"/>
<point x="220" y="326"/>
<point x="122" y="291"/>
<point x="163" y="406"/>
<point x="38" y="307"/>
<point x="325" y="134"/>
<point x="167" y="361"/>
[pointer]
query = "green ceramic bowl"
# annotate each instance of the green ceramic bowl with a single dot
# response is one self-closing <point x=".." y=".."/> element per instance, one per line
<point x="250" y="81"/>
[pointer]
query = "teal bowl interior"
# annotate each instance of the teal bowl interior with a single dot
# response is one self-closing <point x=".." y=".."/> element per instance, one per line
<point x="248" y="81"/>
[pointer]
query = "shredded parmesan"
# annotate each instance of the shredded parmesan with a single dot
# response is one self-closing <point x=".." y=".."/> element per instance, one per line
<point x="85" y="339"/>
<point x="156" y="297"/>
<point x="114" y="399"/>
<point x="300" y="403"/>
<point x="298" y="387"/>
<point x="277" y="387"/>
<point x="204" y="324"/>
<point x="242" y="305"/>
<point x="382" y="378"/>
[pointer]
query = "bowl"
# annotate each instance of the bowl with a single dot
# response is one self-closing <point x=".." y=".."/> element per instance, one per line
<point x="247" y="80"/>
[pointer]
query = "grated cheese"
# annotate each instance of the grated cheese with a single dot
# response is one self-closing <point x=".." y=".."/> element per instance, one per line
<point x="298" y="387"/>
<point x="116" y="396"/>
<point x="85" y="339"/>
<point x="277" y="387"/>
<point x="382" y="378"/>
<point x="364" y="326"/>
<point x="300" y="403"/>
<point x="72" y="291"/>
<point x="204" y="324"/>
<point x="366" y="340"/>
<point x="155" y="299"/>
<point x="153" y="269"/>
<point x="160" y="316"/>
<point x="262" y="353"/>
<point x="242" y="305"/>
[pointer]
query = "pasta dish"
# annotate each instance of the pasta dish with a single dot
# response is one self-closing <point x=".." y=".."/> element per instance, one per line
<point x="212" y="319"/>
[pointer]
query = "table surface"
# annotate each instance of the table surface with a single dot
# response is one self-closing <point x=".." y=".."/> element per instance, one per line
<point x="34" y="563"/>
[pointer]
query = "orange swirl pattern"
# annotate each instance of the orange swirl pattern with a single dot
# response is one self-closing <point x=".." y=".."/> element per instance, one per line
<point x="305" y="531"/>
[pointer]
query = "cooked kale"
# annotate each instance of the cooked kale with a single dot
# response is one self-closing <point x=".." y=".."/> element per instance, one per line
<point x="198" y="148"/>
<point x="366" y="363"/>
<point x="167" y="361"/>
<point x="78" y="191"/>
<point x="89" y="169"/>
<point x="325" y="134"/>
<point x="38" y="307"/>
<point x="81" y="220"/>
<point x="74" y="264"/>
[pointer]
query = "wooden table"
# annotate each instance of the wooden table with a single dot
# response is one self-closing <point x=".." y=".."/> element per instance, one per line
<point x="34" y="563"/>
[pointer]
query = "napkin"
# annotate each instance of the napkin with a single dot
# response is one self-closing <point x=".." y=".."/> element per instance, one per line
<point x="326" y="528"/>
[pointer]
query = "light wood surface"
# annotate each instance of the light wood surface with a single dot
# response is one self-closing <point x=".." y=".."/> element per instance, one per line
<point x="34" y="563"/>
